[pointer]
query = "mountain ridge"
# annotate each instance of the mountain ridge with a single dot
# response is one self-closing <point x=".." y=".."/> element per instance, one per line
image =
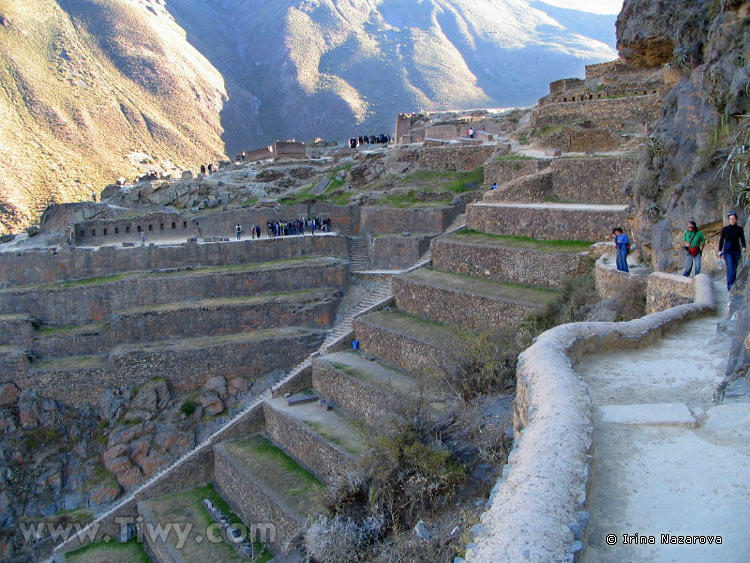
<point x="96" y="89"/>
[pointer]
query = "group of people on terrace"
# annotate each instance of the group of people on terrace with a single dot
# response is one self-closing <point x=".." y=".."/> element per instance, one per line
<point x="285" y="228"/>
<point x="731" y="246"/>
<point x="381" y="139"/>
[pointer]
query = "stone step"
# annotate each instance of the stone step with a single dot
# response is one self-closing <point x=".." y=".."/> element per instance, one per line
<point x="324" y="441"/>
<point x="187" y="508"/>
<point x="309" y="308"/>
<point x="367" y="390"/>
<point x="264" y="484"/>
<point x="547" y="221"/>
<point x="419" y="346"/>
<point x="473" y="303"/>
<point x="509" y="259"/>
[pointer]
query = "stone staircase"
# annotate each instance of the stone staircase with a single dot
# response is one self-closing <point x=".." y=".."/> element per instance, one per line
<point x="358" y="256"/>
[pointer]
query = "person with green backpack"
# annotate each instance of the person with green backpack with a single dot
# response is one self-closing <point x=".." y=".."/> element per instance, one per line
<point x="693" y="242"/>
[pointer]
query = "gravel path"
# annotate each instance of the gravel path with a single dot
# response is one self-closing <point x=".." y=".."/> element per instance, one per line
<point x="667" y="460"/>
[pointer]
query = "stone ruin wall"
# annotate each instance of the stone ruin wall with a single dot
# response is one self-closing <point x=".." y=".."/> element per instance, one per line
<point x="461" y="158"/>
<point x="169" y="226"/>
<point x="397" y="252"/>
<point x="612" y="112"/>
<point x="386" y="220"/>
<point x="69" y="263"/>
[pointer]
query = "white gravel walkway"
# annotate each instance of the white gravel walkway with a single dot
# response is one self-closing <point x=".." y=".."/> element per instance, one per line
<point x="666" y="459"/>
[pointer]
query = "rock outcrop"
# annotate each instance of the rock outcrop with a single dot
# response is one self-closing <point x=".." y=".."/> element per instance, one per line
<point x="679" y="177"/>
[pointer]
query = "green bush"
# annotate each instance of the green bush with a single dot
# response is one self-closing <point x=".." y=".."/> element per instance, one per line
<point x="187" y="408"/>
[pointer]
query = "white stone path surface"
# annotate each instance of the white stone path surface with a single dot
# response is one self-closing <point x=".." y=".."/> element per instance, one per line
<point x="667" y="460"/>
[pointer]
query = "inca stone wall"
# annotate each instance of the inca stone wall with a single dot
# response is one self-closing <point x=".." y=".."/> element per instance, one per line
<point x="501" y="171"/>
<point x="170" y="226"/>
<point x="434" y="220"/>
<point x="545" y="224"/>
<point x="665" y="291"/>
<point x="355" y="396"/>
<point x="473" y="311"/>
<point x="610" y="281"/>
<point x="250" y="500"/>
<point x="395" y="252"/>
<point x="187" y="364"/>
<point x="16" y="330"/>
<point x="76" y="263"/>
<point x="84" y="304"/>
<point x="590" y="180"/>
<point x="322" y="458"/>
<point x="612" y="111"/>
<point x="410" y="354"/>
<point x="460" y="158"/>
<point x="317" y="310"/>
<point x="515" y="265"/>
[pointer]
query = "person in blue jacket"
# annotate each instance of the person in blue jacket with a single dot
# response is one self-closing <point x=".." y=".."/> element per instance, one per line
<point x="622" y="242"/>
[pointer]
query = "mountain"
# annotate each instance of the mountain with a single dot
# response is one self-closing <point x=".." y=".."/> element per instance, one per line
<point x="96" y="89"/>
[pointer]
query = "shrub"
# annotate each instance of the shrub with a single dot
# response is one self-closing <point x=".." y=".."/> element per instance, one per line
<point x="187" y="408"/>
<point x="483" y="363"/>
<point x="341" y="539"/>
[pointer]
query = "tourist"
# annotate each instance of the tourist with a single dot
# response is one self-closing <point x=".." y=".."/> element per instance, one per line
<point x="693" y="242"/>
<point x="203" y="169"/>
<point x="622" y="243"/>
<point x="210" y="168"/>
<point x="243" y="156"/>
<point x="93" y="196"/>
<point x="238" y="230"/>
<point x="471" y="133"/>
<point x="731" y="245"/>
<point x="143" y="238"/>
<point x="257" y="231"/>
<point x="493" y="186"/>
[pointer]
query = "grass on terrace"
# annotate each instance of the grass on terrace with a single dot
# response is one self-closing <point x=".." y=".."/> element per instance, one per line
<point x="524" y="242"/>
<point x="433" y="181"/>
<point x="109" y="552"/>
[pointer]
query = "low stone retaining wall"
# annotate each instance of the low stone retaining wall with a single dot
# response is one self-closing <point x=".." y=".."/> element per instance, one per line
<point x="317" y="310"/>
<point x="610" y="281"/>
<point x="322" y="458"/>
<point x="16" y="330"/>
<point x="611" y="111"/>
<point x="68" y="263"/>
<point x="505" y="170"/>
<point x="514" y="265"/>
<point x="250" y="500"/>
<point x="187" y="364"/>
<point x="459" y="308"/>
<point x="93" y="303"/>
<point x="537" y="509"/>
<point x="531" y="188"/>
<point x="396" y="252"/>
<point x="86" y="341"/>
<point x="377" y="219"/>
<point x="361" y="400"/>
<point x="667" y="290"/>
<point x="410" y="354"/>
<point x="544" y="223"/>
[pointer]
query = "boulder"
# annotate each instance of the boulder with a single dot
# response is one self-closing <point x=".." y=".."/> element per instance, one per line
<point x="211" y="404"/>
<point x="33" y="230"/>
<point x="103" y="494"/>
<point x="6" y="238"/>
<point x="216" y="384"/>
<point x="8" y="394"/>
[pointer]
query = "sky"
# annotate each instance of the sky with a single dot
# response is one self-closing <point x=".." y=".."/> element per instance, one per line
<point x="593" y="6"/>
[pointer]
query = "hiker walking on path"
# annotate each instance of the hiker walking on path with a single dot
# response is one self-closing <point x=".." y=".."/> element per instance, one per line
<point x="731" y="245"/>
<point x="622" y="242"/>
<point x="238" y="230"/>
<point x="693" y="242"/>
